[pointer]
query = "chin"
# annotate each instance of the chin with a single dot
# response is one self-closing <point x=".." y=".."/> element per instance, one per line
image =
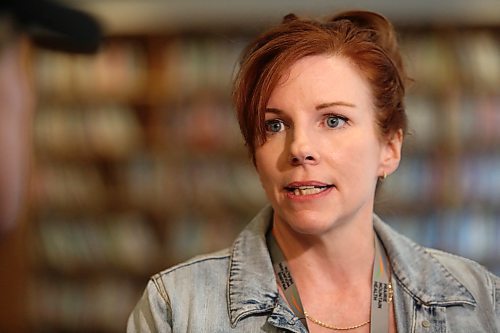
<point x="309" y="222"/>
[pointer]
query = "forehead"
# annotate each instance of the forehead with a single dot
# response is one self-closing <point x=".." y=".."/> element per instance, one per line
<point x="322" y="77"/>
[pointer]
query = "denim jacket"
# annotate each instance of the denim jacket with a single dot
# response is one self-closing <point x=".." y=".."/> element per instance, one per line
<point x="235" y="290"/>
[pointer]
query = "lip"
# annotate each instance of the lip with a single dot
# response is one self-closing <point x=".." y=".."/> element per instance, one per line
<point x="307" y="197"/>
<point x="306" y="183"/>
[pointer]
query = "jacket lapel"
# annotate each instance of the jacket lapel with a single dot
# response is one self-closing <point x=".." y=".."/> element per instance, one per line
<point x="419" y="271"/>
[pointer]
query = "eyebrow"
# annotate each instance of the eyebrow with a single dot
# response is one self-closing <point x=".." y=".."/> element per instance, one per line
<point x="327" y="105"/>
<point x="318" y="107"/>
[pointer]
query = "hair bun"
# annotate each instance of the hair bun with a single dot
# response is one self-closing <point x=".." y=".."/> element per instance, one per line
<point x="364" y="19"/>
<point x="289" y="18"/>
<point x="375" y="22"/>
<point x="378" y="26"/>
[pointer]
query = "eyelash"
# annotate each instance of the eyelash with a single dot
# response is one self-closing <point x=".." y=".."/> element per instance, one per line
<point x="271" y="122"/>
<point x="337" y="116"/>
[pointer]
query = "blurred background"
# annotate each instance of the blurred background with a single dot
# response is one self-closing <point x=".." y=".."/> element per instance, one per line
<point x="138" y="161"/>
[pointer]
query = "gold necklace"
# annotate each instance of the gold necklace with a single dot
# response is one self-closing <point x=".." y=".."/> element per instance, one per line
<point x="332" y="327"/>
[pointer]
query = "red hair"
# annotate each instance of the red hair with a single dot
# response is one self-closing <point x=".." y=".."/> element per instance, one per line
<point x="367" y="39"/>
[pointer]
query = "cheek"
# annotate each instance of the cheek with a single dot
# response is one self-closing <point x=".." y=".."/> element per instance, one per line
<point x="266" y="182"/>
<point x="358" y="159"/>
<point x="267" y="155"/>
<point x="266" y="164"/>
<point x="263" y="165"/>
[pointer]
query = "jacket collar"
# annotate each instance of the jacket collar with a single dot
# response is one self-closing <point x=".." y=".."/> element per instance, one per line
<point x="419" y="271"/>
<point x="252" y="285"/>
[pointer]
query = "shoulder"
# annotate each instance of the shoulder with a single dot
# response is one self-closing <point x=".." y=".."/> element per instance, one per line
<point x="476" y="278"/>
<point x="458" y="264"/>
<point x="466" y="270"/>
<point x="437" y="277"/>
<point x="184" y="279"/>
<point x="198" y="262"/>
<point x="179" y="291"/>
<point x="481" y="283"/>
<point x="199" y="267"/>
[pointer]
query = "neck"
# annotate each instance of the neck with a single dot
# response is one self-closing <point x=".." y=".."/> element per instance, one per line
<point x="337" y="259"/>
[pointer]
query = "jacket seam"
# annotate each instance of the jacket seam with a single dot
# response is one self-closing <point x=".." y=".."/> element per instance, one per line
<point x="481" y="305"/>
<point x="233" y="321"/>
<point x="496" y="293"/>
<point x="160" y="287"/>
<point x="408" y="290"/>
<point x="414" y="318"/>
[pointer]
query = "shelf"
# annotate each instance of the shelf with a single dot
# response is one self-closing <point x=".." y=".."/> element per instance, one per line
<point x="140" y="164"/>
<point x="123" y="242"/>
<point x="99" y="305"/>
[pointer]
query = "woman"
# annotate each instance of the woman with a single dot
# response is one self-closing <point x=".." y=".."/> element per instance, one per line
<point x="320" y="106"/>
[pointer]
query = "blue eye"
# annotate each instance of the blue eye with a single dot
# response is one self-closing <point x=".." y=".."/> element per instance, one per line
<point x="274" y="126"/>
<point x="333" y="121"/>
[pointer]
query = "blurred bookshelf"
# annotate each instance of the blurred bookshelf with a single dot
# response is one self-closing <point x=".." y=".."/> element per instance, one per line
<point x="139" y="164"/>
<point x="446" y="192"/>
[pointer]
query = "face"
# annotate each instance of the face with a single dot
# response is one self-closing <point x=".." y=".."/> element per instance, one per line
<point x="323" y="155"/>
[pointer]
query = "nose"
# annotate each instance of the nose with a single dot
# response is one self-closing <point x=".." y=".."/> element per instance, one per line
<point x="303" y="149"/>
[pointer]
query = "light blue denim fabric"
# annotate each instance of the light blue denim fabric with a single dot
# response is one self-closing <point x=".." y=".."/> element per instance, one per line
<point x="235" y="290"/>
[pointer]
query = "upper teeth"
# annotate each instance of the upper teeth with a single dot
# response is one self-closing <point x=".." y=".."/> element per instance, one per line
<point x="307" y="190"/>
<point x="307" y="187"/>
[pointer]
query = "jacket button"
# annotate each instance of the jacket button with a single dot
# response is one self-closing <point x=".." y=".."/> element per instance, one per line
<point x="426" y="324"/>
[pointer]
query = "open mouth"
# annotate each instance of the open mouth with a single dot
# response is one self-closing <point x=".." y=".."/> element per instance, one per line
<point x="307" y="189"/>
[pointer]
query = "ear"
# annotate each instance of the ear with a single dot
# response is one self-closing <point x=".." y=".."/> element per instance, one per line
<point x="390" y="154"/>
